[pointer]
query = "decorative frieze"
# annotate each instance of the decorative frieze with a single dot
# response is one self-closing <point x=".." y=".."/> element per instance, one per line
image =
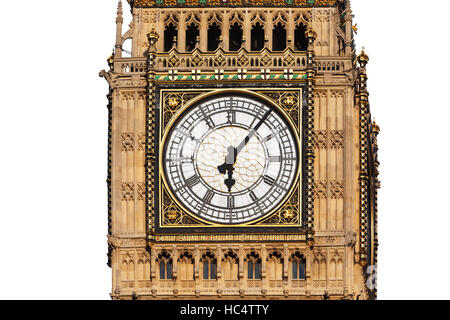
<point x="232" y="3"/>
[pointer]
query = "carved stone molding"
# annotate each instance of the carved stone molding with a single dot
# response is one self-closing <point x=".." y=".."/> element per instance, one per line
<point x="116" y="242"/>
<point x="127" y="190"/>
<point x="140" y="141"/>
<point x="328" y="139"/>
<point x="333" y="189"/>
<point x="131" y="141"/>
<point x="133" y="190"/>
<point x="127" y="141"/>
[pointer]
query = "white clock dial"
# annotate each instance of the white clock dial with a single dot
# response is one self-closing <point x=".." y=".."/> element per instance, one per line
<point x="230" y="159"/>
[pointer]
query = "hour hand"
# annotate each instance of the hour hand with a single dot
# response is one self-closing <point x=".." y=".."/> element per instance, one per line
<point x="222" y="168"/>
<point x="228" y="167"/>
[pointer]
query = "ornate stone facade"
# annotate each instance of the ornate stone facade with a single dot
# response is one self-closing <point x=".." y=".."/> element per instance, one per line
<point x="320" y="242"/>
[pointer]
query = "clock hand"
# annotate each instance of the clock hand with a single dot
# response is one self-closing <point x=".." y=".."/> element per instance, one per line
<point x="252" y="132"/>
<point x="228" y="166"/>
<point x="230" y="159"/>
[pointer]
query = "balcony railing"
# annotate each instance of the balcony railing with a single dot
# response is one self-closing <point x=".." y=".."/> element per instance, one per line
<point x="219" y="59"/>
<point x="230" y="61"/>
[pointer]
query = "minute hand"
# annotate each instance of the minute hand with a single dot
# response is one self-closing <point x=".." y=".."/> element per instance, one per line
<point x="252" y="133"/>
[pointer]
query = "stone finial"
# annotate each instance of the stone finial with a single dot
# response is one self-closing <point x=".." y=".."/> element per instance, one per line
<point x="376" y="128"/>
<point x="119" y="18"/>
<point x="310" y="34"/>
<point x="363" y="58"/>
<point x="348" y="12"/>
<point x="152" y="39"/>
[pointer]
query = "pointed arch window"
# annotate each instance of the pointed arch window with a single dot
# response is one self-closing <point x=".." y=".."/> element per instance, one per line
<point x="214" y="35"/>
<point x="186" y="266"/>
<point x="300" y="41"/>
<point x="257" y="41"/>
<point x="274" y="266"/>
<point x="165" y="266"/>
<point x="230" y="266"/>
<point x="235" y="36"/>
<point x="279" y="37"/>
<point x="192" y="34"/>
<point x="170" y="35"/>
<point x="254" y="267"/>
<point x="209" y="266"/>
<point x="298" y="263"/>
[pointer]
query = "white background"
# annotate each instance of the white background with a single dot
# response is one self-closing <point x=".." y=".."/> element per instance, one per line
<point x="53" y="129"/>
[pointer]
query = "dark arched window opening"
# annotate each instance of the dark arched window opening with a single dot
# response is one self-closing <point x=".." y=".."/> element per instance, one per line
<point x="302" y="270"/>
<point x="191" y="37"/>
<point x="170" y="34"/>
<point x="162" y="270"/>
<point x="165" y="269"/>
<point x="235" y="37"/>
<point x="206" y="270"/>
<point x="279" y="38"/>
<point x="254" y="269"/>
<point x="300" y="41"/>
<point x="250" y="270"/>
<point x="257" y="42"/>
<point x="214" y="34"/>
<point x="294" y="270"/>
<point x="209" y="266"/>
<point x="298" y="266"/>
<point x="213" y="270"/>
<point x="258" y="269"/>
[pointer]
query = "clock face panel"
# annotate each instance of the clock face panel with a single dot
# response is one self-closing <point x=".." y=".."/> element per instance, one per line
<point x="230" y="159"/>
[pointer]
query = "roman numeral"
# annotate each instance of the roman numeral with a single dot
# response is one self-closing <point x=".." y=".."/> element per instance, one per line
<point x="253" y="196"/>
<point x="207" y="119"/>
<point x="182" y="160"/>
<point x="230" y="202"/>
<point x="269" y="180"/>
<point x="209" y="122"/>
<point x="275" y="159"/>
<point x="192" y="181"/>
<point x="231" y="116"/>
<point x="208" y="197"/>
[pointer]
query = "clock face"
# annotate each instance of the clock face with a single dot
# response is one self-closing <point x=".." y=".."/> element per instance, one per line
<point x="230" y="159"/>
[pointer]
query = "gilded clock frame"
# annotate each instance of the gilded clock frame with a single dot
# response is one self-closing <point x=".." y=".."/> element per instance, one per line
<point x="184" y="219"/>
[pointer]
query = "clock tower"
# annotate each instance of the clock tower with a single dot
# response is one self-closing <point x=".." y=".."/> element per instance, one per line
<point x="242" y="159"/>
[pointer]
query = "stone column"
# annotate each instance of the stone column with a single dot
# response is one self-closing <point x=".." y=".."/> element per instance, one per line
<point x="182" y="33"/>
<point x="311" y="36"/>
<point x="363" y="102"/>
<point x="247" y="31"/>
<point x="203" y="32"/>
<point x="268" y="32"/>
<point x="226" y="32"/>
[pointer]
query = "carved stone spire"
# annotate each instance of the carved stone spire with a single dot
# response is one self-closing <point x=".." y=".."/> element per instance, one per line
<point x="348" y="28"/>
<point x="119" y="23"/>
